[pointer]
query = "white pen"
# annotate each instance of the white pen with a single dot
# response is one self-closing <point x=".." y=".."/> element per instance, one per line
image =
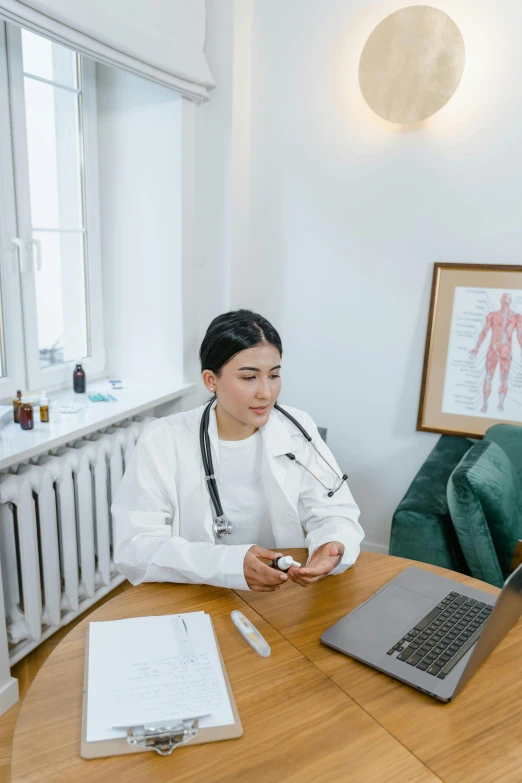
<point x="189" y="653"/>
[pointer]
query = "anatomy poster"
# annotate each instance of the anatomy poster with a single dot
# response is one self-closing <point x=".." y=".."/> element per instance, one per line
<point x="484" y="367"/>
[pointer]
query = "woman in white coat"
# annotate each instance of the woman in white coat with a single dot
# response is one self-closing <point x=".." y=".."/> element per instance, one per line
<point x="163" y="514"/>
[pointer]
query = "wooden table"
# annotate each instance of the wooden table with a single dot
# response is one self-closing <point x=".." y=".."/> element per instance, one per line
<point x="309" y="713"/>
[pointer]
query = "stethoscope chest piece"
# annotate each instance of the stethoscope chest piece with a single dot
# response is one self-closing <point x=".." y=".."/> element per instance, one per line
<point x="222" y="527"/>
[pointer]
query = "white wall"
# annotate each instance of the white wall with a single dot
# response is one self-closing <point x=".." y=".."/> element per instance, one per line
<point x="221" y="170"/>
<point x="224" y="152"/>
<point x="140" y="157"/>
<point x="171" y="187"/>
<point x="347" y="215"/>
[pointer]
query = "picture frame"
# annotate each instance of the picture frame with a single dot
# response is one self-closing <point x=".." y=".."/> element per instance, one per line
<point x="472" y="372"/>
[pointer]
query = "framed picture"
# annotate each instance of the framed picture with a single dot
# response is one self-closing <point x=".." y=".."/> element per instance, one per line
<point x="472" y="375"/>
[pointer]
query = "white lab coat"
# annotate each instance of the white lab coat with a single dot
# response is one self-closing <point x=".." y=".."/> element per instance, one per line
<point x="163" y="514"/>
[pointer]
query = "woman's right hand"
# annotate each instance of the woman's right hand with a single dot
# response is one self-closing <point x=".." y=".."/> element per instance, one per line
<point x="259" y="577"/>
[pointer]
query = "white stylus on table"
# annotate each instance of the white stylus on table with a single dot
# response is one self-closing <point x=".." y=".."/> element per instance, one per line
<point x="250" y="633"/>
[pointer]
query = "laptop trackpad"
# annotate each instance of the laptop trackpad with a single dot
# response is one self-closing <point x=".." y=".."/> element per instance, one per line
<point x="394" y="608"/>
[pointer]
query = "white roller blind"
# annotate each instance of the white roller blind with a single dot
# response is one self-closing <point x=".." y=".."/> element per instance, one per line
<point x="162" y="40"/>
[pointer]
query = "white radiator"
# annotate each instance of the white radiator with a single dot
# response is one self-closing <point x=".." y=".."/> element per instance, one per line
<point x="56" y="540"/>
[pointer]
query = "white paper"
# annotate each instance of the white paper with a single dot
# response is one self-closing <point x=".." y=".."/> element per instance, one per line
<point x="468" y="389"/>
<point x="140" y="671"/>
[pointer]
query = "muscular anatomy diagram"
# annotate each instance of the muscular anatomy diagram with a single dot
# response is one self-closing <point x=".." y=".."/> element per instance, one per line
<point x="502" y="323"/>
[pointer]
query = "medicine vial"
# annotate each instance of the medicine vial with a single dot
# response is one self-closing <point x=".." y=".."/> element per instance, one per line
<point x="26" y="414"/>
<point x="44" y="408"/>
<point x="17" y="401"/>
<point x="79" y="379"/>
<point x="284" y="563"/>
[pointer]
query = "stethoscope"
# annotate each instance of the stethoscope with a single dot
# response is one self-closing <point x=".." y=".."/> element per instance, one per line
<point x="221" y="524"/>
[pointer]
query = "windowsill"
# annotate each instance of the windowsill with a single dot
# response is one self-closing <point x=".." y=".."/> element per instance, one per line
<point x="17" y="445"/>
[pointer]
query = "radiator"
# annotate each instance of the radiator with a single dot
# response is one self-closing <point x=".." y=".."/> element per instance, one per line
<point x="56" y="537"/>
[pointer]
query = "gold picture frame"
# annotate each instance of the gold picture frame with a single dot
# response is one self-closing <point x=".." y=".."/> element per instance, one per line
<point x="472" y="374"/>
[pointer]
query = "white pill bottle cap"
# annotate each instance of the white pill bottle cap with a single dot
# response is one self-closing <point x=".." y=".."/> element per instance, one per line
<point x="286" y="561"/>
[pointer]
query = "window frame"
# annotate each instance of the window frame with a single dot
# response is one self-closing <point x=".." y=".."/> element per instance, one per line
<point x="60" y="375"/>
<point x="10" y="301"/>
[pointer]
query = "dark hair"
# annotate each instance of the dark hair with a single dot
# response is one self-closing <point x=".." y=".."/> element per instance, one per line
<point x="232" y="332"/>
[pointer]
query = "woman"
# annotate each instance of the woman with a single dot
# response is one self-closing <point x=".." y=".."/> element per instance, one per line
<point x="163" y="515"/>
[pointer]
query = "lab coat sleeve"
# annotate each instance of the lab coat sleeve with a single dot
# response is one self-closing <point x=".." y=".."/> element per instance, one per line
<point x="327" y="519"/>
<point x="144" y="516"/>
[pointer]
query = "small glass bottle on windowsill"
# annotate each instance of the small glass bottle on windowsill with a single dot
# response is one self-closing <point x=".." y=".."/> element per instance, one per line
<point x="44" y="408"/>
<point x="26" y="414"/>
<point x="79" y="379"/>
<point x="17" y="401"/>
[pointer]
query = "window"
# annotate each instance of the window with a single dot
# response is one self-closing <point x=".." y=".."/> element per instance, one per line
<point x="51" y="221"/>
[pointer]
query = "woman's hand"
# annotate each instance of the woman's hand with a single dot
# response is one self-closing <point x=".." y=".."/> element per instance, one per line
<point x="259" y="577"/>
<point x="322" y="562"/>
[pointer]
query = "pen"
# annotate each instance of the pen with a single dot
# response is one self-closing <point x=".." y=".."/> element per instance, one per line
<point x="189" y="653"/>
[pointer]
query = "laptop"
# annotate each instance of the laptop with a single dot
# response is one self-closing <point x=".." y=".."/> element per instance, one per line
<point x="428" y="631"/>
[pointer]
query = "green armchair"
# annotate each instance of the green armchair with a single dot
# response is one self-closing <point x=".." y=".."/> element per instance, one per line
<point x="463" y="510"/>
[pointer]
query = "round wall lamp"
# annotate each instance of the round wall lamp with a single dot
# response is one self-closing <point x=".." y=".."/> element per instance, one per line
<point x="411" y="64"/>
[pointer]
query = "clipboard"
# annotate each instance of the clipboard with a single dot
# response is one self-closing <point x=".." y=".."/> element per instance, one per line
<point x="162" y="738"/>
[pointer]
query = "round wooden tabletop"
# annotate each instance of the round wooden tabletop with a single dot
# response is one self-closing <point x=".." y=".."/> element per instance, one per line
<point x="308" y="712"/>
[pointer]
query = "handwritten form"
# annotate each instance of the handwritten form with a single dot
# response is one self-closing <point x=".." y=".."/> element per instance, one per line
<point x="139" y="671"/>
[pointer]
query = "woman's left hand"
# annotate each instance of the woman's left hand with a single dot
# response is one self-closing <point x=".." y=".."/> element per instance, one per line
<point x="322" y="562"/>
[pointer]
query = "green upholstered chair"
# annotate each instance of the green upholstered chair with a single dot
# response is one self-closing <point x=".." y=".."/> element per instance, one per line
<point x="422" y="528"/>
<point x="463" y="510"/>
<point x="509" y="438"/>
<point x="485" y="502"/>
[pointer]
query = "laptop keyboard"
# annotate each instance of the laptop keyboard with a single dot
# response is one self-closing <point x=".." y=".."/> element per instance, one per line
<point x="438" y="641"/>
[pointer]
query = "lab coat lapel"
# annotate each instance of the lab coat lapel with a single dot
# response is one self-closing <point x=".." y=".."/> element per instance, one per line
<point x="278" y="481"/>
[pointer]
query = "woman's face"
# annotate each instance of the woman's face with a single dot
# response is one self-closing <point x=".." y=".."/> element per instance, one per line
<point x="249" y="384"/>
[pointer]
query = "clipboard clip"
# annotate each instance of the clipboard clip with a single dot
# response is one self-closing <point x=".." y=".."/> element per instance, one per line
<point x="163" y="736"/>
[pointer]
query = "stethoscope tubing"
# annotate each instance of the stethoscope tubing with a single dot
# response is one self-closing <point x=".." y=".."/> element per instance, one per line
<point x="308" y="437"/>
<point x="206" y="456"/>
